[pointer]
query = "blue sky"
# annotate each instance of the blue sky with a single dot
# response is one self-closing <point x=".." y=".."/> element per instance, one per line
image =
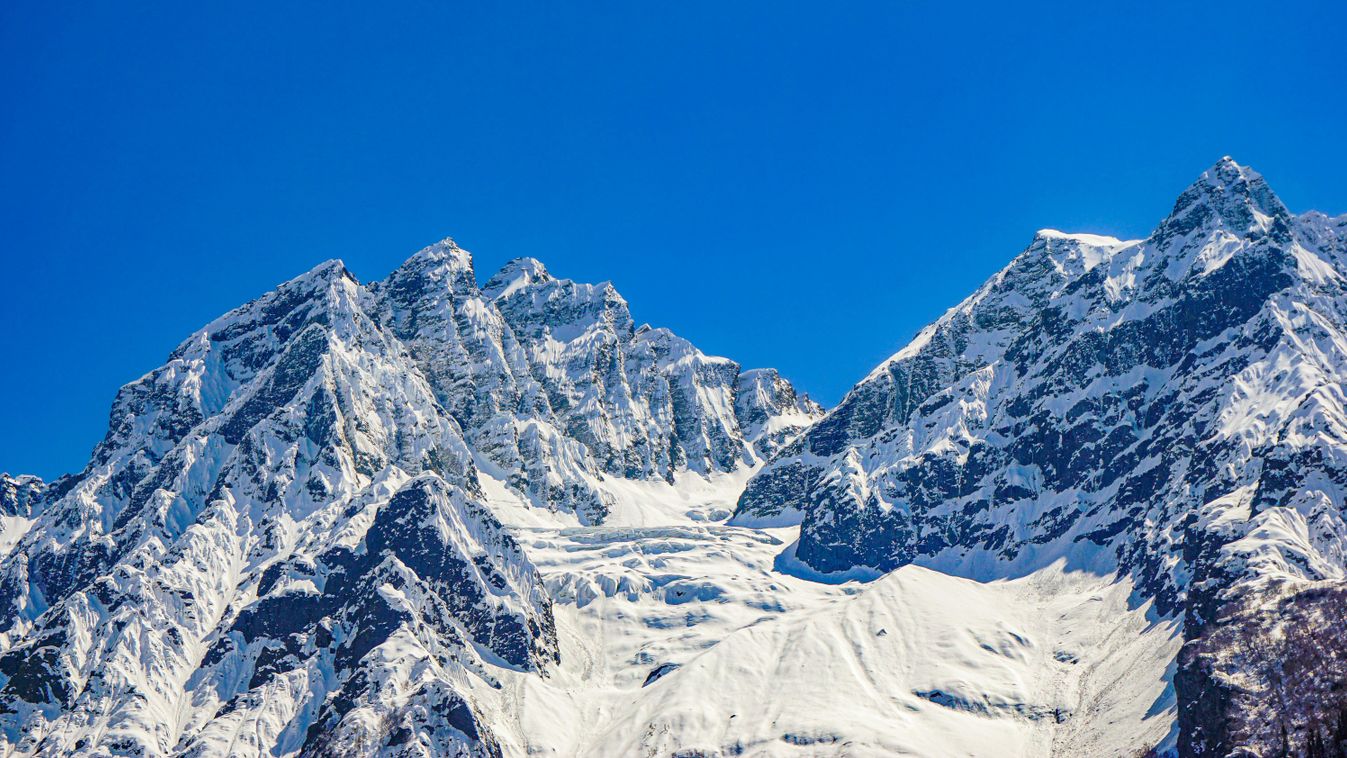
<point x="794" y="185"/>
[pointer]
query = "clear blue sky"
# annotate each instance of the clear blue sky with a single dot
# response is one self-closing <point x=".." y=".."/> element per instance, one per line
<point x="787" y="185"/>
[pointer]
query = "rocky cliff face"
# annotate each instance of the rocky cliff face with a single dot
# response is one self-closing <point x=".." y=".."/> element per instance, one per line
<point x="19" y="494"/>
<point x="282" y="544"/>
<point x="1170" y="409"/>
<point x="770" y="412"/>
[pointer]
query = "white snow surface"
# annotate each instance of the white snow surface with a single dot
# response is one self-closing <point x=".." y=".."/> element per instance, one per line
<point x="12" y="529"/>
<point x="763" y="661"/>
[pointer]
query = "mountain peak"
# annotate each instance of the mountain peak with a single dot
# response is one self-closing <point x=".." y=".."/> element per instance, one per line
<point x="444" y="251"/>
<point x="1225" y="175"/>
<point x="1228" y="196"/>
<point x="332" y="268"/>
<point x="443" y="266"/>
<point x="320" y="277"/>
<point x="520" y="272"/>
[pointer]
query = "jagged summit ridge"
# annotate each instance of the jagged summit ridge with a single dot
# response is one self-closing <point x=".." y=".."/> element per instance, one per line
<point x="553" y="384"/>
<point x="284" y="537"/>
<point x="516" y="274"/>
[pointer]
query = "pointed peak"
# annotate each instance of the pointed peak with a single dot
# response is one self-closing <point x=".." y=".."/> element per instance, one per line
<point x="758" y="380"/>
<point x="444" y="251"/>
<point x="444" y="246"/>
<point x="1227" y="173"/>
<point x="515" y="275"/>
<point x="328" y="271"/>
<point x="1228" y="196"/>
<point x="443" y="266"/>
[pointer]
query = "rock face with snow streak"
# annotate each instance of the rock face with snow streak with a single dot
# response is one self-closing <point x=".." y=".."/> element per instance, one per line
<point x="769" y="410"/>
<point x="282" y="545"/>
<point x="1170" y="408"/>
<point x="19" y="494"/>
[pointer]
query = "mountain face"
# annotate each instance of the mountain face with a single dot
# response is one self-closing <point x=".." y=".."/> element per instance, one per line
<point x="19" y="494"/>
<point x="554" y="384"/>
<point x="769" y="411"/>
<point x="283" y="545"/>
<point x="1169" y="409"/>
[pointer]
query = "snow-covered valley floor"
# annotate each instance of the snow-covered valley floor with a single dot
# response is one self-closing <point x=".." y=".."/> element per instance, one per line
<point x="684" y="636"/>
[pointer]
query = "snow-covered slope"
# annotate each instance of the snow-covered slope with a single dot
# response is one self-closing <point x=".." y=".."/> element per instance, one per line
<point x="704" y="640"/>
<point x="1169" y="409"/>
<point x="921" y="663"/>
<point x="682" y="636"/>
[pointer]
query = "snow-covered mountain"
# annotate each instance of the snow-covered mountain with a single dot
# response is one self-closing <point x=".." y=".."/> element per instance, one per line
<point x="556" y="388"/>
<point x="1094" y="509"/>
<point x="1169" y="409"/>
<point x="286" y="543"/>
